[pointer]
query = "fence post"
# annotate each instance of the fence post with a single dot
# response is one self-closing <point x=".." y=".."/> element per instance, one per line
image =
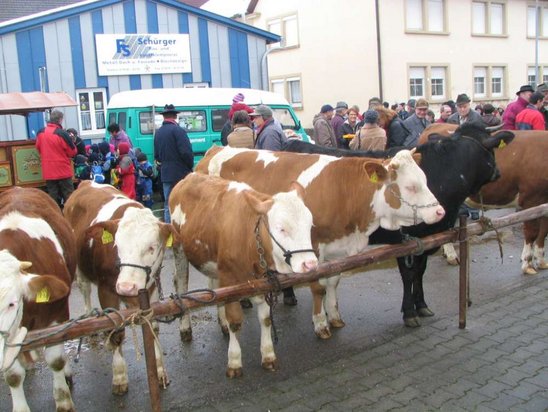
<point x="463" y="271"/>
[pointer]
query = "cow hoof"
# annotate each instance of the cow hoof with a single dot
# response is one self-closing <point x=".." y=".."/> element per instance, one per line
<point x="270" y="365"/>
<point x="425" y="312"/>
<point x="543" y="265"/>
<point x="452" y="262"/>
<point x="65" y="409"/>
<point x="163" y="381"/>
<point x="234" y="373"/>
<point x="186" y="335"/>
<point x="290" y="301"/>
<point x="323" y="333"/>
<point x="337" y="323"/>
<point x="412" y="322"/>
<point x="530" y="271"/>
<point x="246" y="303"/>
<point x="119" y="389"/>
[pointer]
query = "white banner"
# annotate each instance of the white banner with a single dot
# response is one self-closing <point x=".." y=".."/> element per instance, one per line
<point x="124" y="54"/>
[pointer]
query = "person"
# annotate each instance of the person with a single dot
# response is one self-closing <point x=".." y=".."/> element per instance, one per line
<point x="125" y="170"/>
<point x="145" y="173"/>
<point x="374" y="102"/>
<point x="490" y="115"/>
<point x="465" y="114"/>
<point x="445" y="112"/>
<point x="479" y="109"/>
<point x="531" y="118"/>
<point x="56" y="150"/>
<point x="324" y="135"/>
<point x="452" y="105"/>
<point x="416" y="123"/>
<point x="82" y="169"/>
<point x="411" y="104"/>
<point x="338" y="119"/>
<point x="173" y="152"/>
<point x="402" y="113"/>
<point x="370" y="136"/>
<point x="396" y="132"/>
<point x="543" y="88"/>
<point x="242" y="134"/>
<point x="357" y="109"/>
<point x="348" y="129"/>
<point x="107" y="161"/>
<point x="270" y="135"/>
<point x="237" y="105"/>
<point x="118" y="136"/>
<point x="430" y="116"/>
<point x="509" y="116"/>
<point x="78" y="142"/>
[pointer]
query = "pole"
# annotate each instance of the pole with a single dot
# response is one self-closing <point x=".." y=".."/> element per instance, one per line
<point x="537" y="34"/>
<point x="463" y="271"/>
<point x="150" y="356"/>
<point x="379" y="54"/>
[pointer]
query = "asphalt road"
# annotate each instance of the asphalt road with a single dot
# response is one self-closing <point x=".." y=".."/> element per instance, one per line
<point x="369" y="303"/>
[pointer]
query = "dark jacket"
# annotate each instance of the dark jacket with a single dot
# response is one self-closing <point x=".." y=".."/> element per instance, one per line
<point x="172" y="149"/>
<point x="473" y="117"/>
<point x="397" y="133"/>
<point x="346" y="128"/>
<point x="415" y="125"/>
<point x="271" y="136"/>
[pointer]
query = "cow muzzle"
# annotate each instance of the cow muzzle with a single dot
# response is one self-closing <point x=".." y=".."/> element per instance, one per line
<point x="130" y="287"/>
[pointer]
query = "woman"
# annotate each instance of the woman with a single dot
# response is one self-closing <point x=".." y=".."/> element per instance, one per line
<point x="396" y="132"/>
<point x="242" y="134"/>
<point x="348" y="128"/>
<point x="370" y="136"/>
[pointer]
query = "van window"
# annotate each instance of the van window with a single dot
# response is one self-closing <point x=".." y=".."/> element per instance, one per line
<point x="285" y="118"/>
<point x="122" y="120"/>
<point x="111" y="118"/>
<point x="193" y="120"/>
<point x="146" y="123"/>
<point x="219" y="117"/>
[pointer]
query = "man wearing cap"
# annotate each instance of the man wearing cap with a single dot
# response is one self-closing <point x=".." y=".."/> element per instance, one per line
<point x="173" y="153"/>
<point x="464" y="113"/>
<point x="338" y="120"/>
<point x="543" y="88"/>
<point x="324" y="135"/>
<point x="509" y="116"/>
<point x="270" y="135"/>
<point x="531" y="118"/>
<point x="416" y="123"/>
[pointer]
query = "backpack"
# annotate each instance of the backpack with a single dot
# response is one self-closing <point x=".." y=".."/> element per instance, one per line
<point x="82" y="172"/>
<point x="97" y="173"/>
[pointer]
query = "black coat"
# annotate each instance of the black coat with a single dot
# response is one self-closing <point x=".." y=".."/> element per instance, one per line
<point x="172" y="149"/>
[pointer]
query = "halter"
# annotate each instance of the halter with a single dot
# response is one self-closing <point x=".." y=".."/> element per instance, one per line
<point x="147" y="269"/>
<point x="10" y="346"/>
<point x="492" y="179"/>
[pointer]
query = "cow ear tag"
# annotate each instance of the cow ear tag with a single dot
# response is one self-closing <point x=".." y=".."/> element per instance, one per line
<point x="107" y="237"/>
<point x="502" y="145"/>
<point x="169" y="241"/>
<point x="43" y="295"/>
<point x="374" y="178"/>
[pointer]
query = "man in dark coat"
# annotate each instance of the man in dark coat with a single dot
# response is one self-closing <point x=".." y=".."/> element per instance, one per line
<point x="173" y="153"/>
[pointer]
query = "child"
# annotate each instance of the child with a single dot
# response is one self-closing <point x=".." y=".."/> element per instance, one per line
<point x="144" y="180"/>
<point x="126" y="171"/>
<point x="109" y="160"/>
<point x="82" y="169"/>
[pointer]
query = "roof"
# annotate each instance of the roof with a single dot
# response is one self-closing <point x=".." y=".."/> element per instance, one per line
<point x="192" y="97"/>
<point x="24" y="103"/>
<point x="73" y="9"/>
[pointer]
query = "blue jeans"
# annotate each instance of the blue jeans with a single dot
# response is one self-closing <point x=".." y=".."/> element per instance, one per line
<point x="167" y="190"/>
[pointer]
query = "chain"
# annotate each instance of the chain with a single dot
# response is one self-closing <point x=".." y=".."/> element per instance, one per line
<point x="260" y="248"/>
<point x="412" y="206"/>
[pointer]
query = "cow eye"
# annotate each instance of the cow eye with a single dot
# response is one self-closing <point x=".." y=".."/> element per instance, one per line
<point x="11" y="305"/>
<point x="412" y="189"/>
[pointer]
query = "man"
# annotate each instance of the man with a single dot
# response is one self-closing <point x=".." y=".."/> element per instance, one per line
<point x="531" y="118"/>
<point x="402" y="113"/>
<point x="56" y="150"/>
<point x="464" y="113"/>
<point x="337" y="121"/>
<point x="173" y="152"/>
<point x="416" y="123"/>
<point x="324" y="135"/>
<point x="270" y="135"/>
<point x="543" y="88"/>
<point x="509" y="116"/>
<point x="445" y="112"/>
<point x="118" y="136"/>
<point x="374" y="102"/>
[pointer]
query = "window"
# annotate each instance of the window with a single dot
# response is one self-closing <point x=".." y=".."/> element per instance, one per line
<point x="91" y="110"/>
<point x="428" y="81"/>
<point x="489" y="82"/>
<point x="288" y="28"/>
<point x="488" y="17"/>
<point x="416" y="82"/>
<point x="437" y="82"/>
<point x="425" y="16"/>
<point x="191" y="121"/>
<point x="531" y="75"/>
<point x="219" y="118"/>
<point x="290" y="88"/>
<point x="532" y="21"/>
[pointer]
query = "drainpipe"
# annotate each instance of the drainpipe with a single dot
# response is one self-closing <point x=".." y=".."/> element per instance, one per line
<point x="379" y="60"/>
<point x="264" y="67"/>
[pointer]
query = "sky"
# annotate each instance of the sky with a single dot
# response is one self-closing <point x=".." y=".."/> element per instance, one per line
<point x="227" y="8"/>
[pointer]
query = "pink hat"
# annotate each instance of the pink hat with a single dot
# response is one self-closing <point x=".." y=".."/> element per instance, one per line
<point x="238" y="98"/>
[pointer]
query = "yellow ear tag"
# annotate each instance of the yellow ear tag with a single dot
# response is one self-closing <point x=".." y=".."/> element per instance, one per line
<point x="502" y="145"/>
<point x="107" y="237"/>
<point x="169" y="241"/>
<point x="374" y="178"/>
<point x="42" y="296"/>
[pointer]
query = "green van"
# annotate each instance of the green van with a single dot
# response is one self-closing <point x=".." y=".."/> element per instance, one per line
<point x="204" y="112"/>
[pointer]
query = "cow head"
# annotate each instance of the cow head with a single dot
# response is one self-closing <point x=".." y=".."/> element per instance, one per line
<point x="16" y="285"/>
<point x="139" y="239"/>
<point x="289" y="224"/>
<point x="409" y="199"/>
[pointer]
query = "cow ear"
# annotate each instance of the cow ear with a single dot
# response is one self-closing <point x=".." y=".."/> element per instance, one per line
<point x="103" y="231"/>
<point x="296" y="186"/>
<point x="45" y="288"/>
<point x="258" y="205"/>
<point x="169" y="236"/>
<point x="499" y="140"/>
<point x="417" y="157"/>
<point x="376" y="172"/>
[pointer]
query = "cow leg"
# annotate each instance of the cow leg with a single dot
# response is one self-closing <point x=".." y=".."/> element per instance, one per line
<point x="418" y="291"/>
<point x="180" y="281"/>
<point x="55" y="359"/>
<point x="85" y="289"/>
<point x="410" y="316"/>
<point x="530" y="233"/>
<point x="450" y="254"/>
<point x="319" y="317"/>
<point x="221" y="310"/>
<point x="234" y="315"/>
<point x="268" y="357"/>
<point x="538" y="249"/>
<point x="15" y="377"/>
<point x="331" y="302"/>
<point x="161" y="369"/>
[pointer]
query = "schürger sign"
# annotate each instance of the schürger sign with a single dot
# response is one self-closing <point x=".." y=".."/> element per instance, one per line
<point x="124" y="54"/>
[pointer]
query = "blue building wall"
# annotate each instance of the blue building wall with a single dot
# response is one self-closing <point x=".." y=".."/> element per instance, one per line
<point x="223" y="53"/>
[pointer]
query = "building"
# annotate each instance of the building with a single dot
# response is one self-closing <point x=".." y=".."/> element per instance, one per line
<point x="353" y="50"/>
<point x="57" y="50"/>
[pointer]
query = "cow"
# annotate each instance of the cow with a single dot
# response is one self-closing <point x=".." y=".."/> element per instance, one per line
<point x="523" y="183"/>
<point x="37" y="265"/>
<point x="455" y="168"/>
<point x="120" y="246"/>
<point x="233" y="234"/>
<point x="349" y="199"/>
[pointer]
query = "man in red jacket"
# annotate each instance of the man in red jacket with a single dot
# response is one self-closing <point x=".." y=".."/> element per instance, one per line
<point x="56" y="149"/>
<point x="531" y="117"/>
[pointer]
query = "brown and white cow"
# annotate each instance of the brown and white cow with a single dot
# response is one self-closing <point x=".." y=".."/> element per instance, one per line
<point x="523" y="183"/>
<point x="120" y="247"/>
<point x="349" y="199"/>
<point x="220" y="223"/>
<point x="37" y="264"/>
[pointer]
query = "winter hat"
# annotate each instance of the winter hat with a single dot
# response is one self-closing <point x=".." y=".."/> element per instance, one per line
<point x="371" y="117"/>
<point x="80" y="159"/>
<point x="239" y="98"/>
<point x="123" y="148"/>
<point x="326" y="108"/>
<point x="141" y="157"/>
<point x="104" y="147"/>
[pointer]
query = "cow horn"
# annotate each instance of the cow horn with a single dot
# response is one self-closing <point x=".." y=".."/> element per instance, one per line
<point x="23" y="265"/>
<point x="413" y="150"/>
<point x="492" y="129"/>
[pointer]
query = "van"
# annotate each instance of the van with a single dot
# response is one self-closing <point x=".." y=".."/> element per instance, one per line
<point x="203" y="113"/>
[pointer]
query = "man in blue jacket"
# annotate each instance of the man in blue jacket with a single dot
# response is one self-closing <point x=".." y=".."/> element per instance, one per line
<point x="173" y="153"/>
